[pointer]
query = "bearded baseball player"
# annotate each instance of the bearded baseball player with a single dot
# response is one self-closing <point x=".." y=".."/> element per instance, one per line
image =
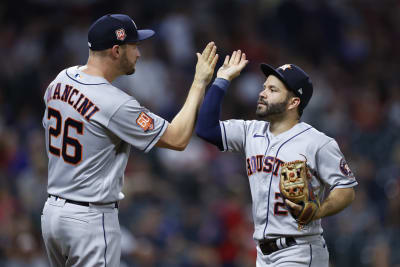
<point x="90" y="126"/>
<point x="297" y="175"/>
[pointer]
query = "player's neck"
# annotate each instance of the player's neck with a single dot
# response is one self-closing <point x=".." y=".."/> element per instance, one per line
<point x="96" y="68"/>
<point x="277" y="127"/>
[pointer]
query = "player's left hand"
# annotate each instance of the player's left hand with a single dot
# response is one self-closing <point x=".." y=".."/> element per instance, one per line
<point x="232" y="66"/>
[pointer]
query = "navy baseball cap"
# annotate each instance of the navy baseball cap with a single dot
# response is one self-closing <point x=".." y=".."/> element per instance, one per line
<point x="295" y="79"/>
<point x="115" y="29"/>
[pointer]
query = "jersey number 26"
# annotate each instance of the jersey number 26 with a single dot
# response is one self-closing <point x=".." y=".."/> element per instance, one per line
<point x="66" y="139"/>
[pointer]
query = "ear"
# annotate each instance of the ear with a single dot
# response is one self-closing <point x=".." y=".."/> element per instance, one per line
<point x="294" y="102"/>
<point x="115" y="51"/>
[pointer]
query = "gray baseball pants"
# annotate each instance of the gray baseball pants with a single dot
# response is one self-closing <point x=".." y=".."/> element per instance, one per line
<point x="310" y="251"/>
<point x="81" y="236"/>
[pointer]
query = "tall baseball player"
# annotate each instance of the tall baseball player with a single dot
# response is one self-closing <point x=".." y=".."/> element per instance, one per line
<point x="284" y="159"/>
<point x="90" y="126"/>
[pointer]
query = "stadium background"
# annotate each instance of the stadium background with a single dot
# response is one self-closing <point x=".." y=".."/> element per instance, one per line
<point x="193" y="208"/>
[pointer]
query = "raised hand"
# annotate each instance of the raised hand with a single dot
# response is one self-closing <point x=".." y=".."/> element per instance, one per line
<point x="232" y="66"/>
<point x="206" y="62"/>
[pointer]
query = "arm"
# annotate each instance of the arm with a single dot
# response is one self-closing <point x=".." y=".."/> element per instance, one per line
<point x="208" y="127"/>
<point x="337" y="200"/>
<point x="179" y="131"/>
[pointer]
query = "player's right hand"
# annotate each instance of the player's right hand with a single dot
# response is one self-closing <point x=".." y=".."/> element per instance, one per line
<point x="206" y="62"/>
<point x="232" y="66"/>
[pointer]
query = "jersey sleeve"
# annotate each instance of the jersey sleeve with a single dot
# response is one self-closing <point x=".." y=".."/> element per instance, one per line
<point x="233" y="135"/>
<point x="137" y="125"/>
<point x="44" y="119"/>
<point x="332" y="167"/>
<point x="45" y="100"/>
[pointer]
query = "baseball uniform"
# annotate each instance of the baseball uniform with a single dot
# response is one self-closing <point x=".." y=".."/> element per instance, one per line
<point x="264" y="153"/>
<point x="90" y="126"/>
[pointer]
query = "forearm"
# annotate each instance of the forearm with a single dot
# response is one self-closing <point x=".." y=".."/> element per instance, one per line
<point x="179" y="131"/>
<point x="337" y="200"/>
<point x="208" y="127"/>
<point x="182" y="125"/>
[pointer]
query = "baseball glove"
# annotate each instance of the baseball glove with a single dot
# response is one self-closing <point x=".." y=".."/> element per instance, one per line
<point x="295" y="186"/>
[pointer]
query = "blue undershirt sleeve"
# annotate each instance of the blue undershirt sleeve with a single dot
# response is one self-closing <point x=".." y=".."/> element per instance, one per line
<point x="207" y="126"/>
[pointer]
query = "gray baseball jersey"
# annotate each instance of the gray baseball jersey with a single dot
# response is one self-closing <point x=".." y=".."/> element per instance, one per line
<point x="265" y="153"/>
<point x="90" y="126"/>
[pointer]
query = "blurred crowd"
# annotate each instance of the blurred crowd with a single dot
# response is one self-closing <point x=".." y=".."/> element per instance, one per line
<point x="193" y="208"/>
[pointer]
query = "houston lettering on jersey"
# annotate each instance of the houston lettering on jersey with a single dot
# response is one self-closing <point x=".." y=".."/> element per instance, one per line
<point x="73" y="97"/>
<point x="261" y="163"/>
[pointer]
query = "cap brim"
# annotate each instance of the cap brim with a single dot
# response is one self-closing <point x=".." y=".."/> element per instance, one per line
<point x="269" y="70"/>
<point x="145" y="34"/>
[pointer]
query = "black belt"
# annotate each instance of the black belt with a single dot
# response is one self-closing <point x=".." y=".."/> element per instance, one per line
<point x="269" y="246"/>
<point x="86" y="204"/>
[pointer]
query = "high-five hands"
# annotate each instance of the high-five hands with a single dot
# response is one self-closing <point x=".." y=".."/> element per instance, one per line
<point x="206" y="62"/>
<point x="232" y="66"/>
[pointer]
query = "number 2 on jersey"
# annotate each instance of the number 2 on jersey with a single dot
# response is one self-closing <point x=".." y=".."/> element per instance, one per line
<point x="66" y="139"/>
<point x="279" y="207"/>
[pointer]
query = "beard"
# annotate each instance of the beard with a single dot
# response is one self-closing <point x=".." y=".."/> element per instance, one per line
<point x="127" y="67"/>
<point x="131" y="71"/>
<point x="268" y="110"/>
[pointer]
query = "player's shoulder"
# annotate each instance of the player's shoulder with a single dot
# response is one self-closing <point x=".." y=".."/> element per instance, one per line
<point x="256" y="125"/>
<point x="95" y="89"/>
<point x="249" y="125"/>
<point x="313" y="135"/>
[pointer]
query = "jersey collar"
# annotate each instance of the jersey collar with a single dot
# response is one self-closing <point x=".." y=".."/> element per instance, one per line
<point x="79" y="76"/>
<point x="282" y="136"/>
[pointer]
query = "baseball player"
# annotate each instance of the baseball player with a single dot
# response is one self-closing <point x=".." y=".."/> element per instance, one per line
<point x="268" y="143"/>
<point x="90" y="126"/>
